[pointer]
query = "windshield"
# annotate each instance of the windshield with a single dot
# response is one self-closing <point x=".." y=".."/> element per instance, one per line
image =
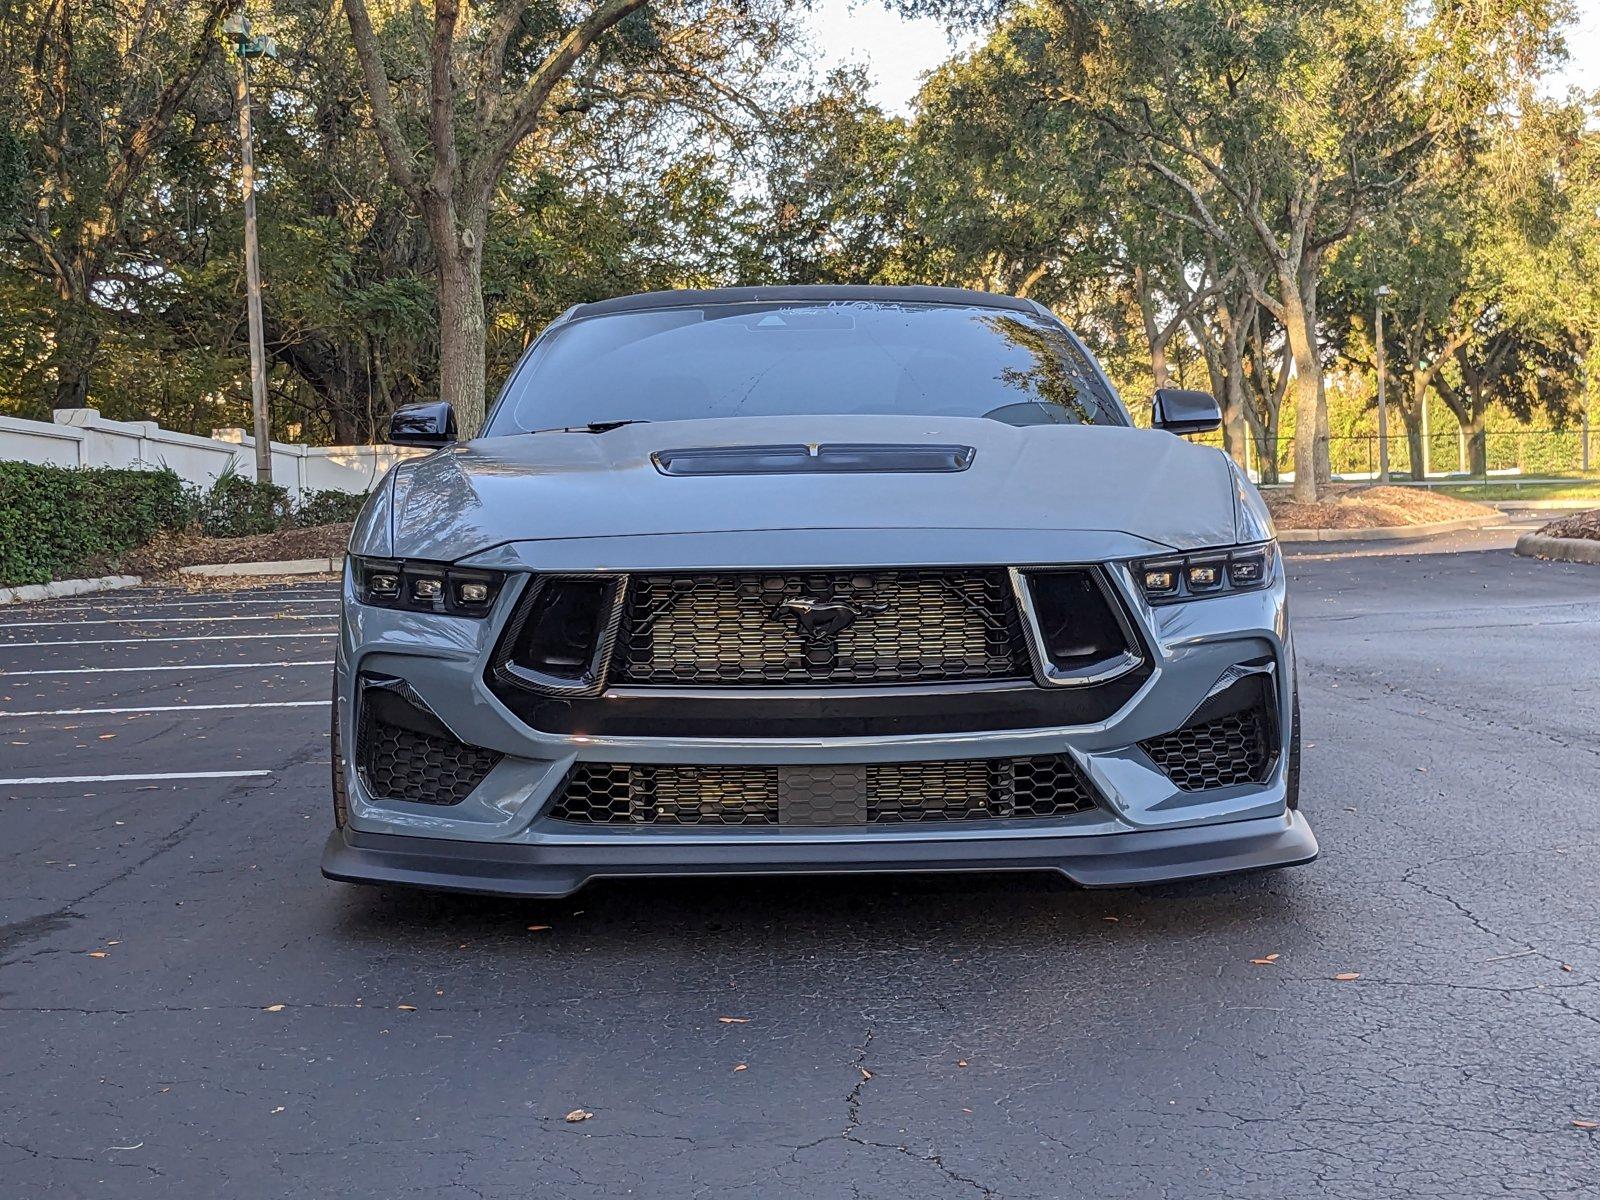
<point x="773" y="359"/>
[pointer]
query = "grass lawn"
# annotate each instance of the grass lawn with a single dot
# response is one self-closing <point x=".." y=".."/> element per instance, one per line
<point x="1576" y="488"/>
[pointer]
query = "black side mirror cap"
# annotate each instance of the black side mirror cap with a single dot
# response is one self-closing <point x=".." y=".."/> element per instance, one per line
<point x="432" y="424"/>
<point x="1178" y="410"/>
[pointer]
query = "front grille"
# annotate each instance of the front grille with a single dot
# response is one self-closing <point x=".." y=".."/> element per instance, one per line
<point x="735" y="629"/>
<point x="823" y="795"/>
<point x="1224" y="751"/>
<point x="404" y="752"/>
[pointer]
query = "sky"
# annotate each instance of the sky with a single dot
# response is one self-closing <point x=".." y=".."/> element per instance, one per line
<point x="896" y="51"/>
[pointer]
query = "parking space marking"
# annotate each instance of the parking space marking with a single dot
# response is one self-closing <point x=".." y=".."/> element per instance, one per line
<point x="318" y="598"/>
<point x="172" y="620"/>
<point x="315" y="662"/>
<point x="145" y="641"/>
<point x="161" y="708"/>
<point x="27" y="779"/>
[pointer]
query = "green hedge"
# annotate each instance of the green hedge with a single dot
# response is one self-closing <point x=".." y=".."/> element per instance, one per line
<point x="56" y="522"/>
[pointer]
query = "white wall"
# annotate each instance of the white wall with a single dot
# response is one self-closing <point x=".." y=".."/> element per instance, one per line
<point x="81" y="437"/>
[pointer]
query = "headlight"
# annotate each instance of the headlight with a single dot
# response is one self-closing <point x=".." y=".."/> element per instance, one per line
<point x="425" y="586"/>
<point x="1207" y="573"/>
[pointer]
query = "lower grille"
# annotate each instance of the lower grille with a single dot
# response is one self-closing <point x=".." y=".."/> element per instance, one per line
<point x="404" y="752"/>
<point x="823" y="795"/>
<point x="756" y="628"/>
<point x="1220" y="750"/>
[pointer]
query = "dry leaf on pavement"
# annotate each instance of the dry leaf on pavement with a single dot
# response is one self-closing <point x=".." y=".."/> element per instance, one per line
<point x="734" y="1020"/>
<point x="579" y="1114"/>
<point x="1347" y="976"/>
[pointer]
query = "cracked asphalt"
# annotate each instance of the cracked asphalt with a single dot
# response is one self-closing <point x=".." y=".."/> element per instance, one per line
<point x="188" y="1010"/>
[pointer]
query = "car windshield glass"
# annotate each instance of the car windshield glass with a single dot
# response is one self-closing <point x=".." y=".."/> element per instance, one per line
<point x="766" y="359"/>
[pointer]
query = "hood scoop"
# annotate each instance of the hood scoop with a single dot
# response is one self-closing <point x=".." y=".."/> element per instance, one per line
<point x="839" y="458"/>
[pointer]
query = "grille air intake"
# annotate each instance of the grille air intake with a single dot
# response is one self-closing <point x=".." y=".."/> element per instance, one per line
<point x="1230" y="741"/>
<point x="903" y="626"/>
<point x="404" y="752"/>
<point x="823" y="795"/>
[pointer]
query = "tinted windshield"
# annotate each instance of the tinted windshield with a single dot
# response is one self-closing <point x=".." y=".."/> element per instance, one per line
<point x="724" y="360"/>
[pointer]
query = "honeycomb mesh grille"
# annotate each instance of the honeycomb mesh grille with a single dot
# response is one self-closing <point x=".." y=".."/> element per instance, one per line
<point x="822" y="795"/>
<point x="1222" y="752"/>
<point x="399" y="763"/>
<point x="911" y="626"/>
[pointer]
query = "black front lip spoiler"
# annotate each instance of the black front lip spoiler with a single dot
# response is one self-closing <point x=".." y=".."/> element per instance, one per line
<point x="559" y="869"/>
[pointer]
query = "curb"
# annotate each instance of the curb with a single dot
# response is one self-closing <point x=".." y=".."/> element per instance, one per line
<point x="66" y="587"/>
<point x="1387" y="533"/>
<point x="1558" y="549"/>
<point x="1515" y="506"/>
<point x="293" y="566"/>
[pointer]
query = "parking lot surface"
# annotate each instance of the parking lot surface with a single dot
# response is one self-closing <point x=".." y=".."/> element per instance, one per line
<point x="188" y="1009"/>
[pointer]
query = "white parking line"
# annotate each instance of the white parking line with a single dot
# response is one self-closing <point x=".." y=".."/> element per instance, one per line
<point x="169" y="620"/>
<point x="156" y="641"/>
<point x="24" y="779"/>
<point x="324" y="598"/>
<point x="314" y="662"/>
<point x="159" y="708"/>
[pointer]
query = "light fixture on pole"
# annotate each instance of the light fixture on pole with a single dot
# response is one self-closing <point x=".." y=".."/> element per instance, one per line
<point x="1384" y="291"/>
<point x="237" y="30"/>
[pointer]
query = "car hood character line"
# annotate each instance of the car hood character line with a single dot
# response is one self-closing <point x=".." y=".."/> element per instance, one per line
<point x="542" y="486"/>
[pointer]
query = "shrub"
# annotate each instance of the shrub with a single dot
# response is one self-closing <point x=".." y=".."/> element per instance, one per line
<point x="327" y="508"/>
<point x="234" y="506"/>
<point x="57" y="521"/>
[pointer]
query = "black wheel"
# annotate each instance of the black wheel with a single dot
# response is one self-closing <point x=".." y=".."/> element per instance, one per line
<point x="1292" y="795"/>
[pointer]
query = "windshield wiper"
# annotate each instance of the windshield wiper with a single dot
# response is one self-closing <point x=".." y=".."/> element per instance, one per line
<point x="593" y="426"/>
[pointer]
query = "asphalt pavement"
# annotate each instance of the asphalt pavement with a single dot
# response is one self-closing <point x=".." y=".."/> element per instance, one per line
<point x="187" y="1009"/>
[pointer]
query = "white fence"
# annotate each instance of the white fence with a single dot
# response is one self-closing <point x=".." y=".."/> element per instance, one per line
<point x="81" y="437"/>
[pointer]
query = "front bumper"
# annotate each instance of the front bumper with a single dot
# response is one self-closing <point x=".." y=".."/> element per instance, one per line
<point x="559" y="869"/>
<point x="502" y="838"/>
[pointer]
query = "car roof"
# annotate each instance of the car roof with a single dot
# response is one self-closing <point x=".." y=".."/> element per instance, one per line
<point x="789" y="294"/>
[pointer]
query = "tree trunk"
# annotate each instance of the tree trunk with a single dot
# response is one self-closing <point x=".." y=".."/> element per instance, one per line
<point x="462" y="335"/>
<point x="1477" y="443"/>
<point x="77" y="336"/>
<point x="1310" y="444"/>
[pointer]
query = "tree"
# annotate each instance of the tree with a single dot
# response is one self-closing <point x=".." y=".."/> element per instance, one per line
<point x="496" y="76"/>
<point x="94" y="93"/>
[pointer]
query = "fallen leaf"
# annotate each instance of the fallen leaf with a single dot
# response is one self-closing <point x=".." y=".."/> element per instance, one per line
<point x="277" y="1110"/>
<point x="537" y="928"/>
<point x="579" y="1114"/>
<point x="274" y="1008"/>
<point x="741" y="1066"/>
<point x="1580" y="1123"/>
<point x="961" y="1062"/>
<point x="1265" y="962"/>
<point x="135" y="1146"/>
<point x="865" y="1074"/>
<point x="98" y="954"/>
<point x="1113" y="920"/>
<point x="406" y="1007"/>
<point x="734" y="1020"/>
<point x="106" y="737"/>
<point x="1566" y="966"/>
<point x="1347" y="976"/>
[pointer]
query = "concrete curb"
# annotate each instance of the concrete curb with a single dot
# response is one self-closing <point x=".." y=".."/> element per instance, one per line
<point x="1387" y="533"/>
<point x="66" y="587"/>
<point x="294" y="566"/>
<point x="1578" y="550"/>
<point x="1516" y="506"/>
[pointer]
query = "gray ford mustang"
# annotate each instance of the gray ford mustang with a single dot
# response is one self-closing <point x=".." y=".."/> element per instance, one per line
<point x="814" y="579"/>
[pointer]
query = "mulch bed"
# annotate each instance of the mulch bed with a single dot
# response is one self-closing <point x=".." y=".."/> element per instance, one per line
<point x="1357" y="507"/>
<point x="168" y="552"/>
<point x="1583" y="525"/>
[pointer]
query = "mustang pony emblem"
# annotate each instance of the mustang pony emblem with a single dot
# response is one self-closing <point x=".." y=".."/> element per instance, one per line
<point x="819" y="619"/>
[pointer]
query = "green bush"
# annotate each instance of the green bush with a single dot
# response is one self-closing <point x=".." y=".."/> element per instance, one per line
<point x="56" y="521"/>
<point x="327" y="508"/>
<point x="234" y="506"/>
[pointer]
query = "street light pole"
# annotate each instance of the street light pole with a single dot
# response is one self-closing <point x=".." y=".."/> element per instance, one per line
<point x="237" y="28"/>
<point x="1383" y="402"/>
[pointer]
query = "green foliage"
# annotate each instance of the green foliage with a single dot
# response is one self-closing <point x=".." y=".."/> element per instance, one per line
<point x="57" y="522"/>
<point x="327" y="507"/>
<point x="234" y="506"/>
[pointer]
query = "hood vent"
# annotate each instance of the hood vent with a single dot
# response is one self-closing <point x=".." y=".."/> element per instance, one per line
<point x="835" y="458"/>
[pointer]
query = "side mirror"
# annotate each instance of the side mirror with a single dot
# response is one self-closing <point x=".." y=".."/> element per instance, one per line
<point x="431" y="424"/>
<point x="1178" y="410"/>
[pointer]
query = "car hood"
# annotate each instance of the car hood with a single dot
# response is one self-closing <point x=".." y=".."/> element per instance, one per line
<point x="533" y="487"/>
